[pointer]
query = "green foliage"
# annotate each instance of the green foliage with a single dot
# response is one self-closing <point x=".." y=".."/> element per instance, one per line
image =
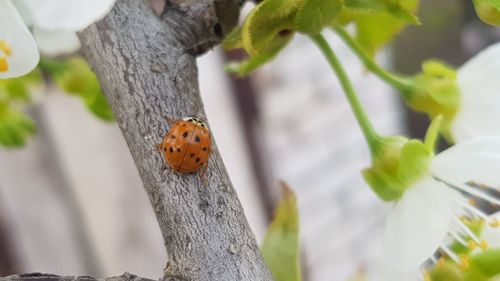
<point x="313" y="15"/>
<point x="281" y="244"/>
<point x="272" y="24"/>
<point x="19" y="89"/>
<point x="269" y="21"/>
<point x="74" y="76"/>
<point x="15" y="126"/>
<point x="378" y="22"/>
<point x="488" y="11"/>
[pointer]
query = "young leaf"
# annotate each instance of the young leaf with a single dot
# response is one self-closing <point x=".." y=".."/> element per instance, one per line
<point x="75" y="77"/>
<point x="234" y="39"/>
<point x="268" y="21"/>
<point x="281" y="244"/>
<point x="313" y="15"/>
<point x="245" y="67"/>
<point x="15" y="127"/>
<point x="376" y="29"/>
<point x="488" y="11"/>
<point x="19" y="89"/>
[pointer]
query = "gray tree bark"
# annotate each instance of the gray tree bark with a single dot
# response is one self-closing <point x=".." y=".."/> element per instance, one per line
<point x="147" y="68"/>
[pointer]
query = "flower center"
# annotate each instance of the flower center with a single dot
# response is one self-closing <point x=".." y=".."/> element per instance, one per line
<point x="468" y="219"/>
<point x="5" y="51"/>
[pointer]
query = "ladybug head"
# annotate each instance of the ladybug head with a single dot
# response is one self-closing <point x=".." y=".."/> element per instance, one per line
<point x="196" y="120"/>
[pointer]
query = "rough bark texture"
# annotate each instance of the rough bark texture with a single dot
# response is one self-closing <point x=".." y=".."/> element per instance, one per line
<point x="51" y="277"/>
<point x="147" y="68"/>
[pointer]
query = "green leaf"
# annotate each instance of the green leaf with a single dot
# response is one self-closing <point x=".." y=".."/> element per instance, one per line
<point x="98" y="104"/>
<point x="313" y="15"/>
<point x="15" y="127"/>
<point x="378" y="28"/>
<point x="268" y="21"/>
<point x="245" y="67"/>
<point x="19" y="89"/>
<point x="75" y="77"/>
<point x="281" y="244"/>
<point x="488" y="11"/>
<point x="234" y="40"/>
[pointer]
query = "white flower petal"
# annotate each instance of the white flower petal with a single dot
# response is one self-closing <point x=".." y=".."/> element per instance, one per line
<point x="24" y="12"/>
<point x="480" y="96"/>
<point x="24" y="54"/>
<point x="385" y="272"/>
<point x="492" y="234"/>
<point x="476" y="160"/>
<point x="417" y="225"/>
<point x="57" y="42"/>
<point x="72" y="15"/>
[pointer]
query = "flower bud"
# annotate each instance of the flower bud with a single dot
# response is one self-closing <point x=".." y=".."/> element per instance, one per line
<point x="397" y="163"/>
<point x="435" y="92"/>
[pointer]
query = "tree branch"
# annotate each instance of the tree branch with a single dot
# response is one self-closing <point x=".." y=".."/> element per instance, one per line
<point x="147" y="68"/>
<point x="51" y="277"/>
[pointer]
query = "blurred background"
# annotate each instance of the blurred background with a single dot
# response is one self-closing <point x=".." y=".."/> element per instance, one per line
<point x="72" y="203"/>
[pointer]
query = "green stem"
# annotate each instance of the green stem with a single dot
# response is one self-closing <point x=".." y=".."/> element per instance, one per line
<point x="371" y="136"/>
<point x="400" y="83"/>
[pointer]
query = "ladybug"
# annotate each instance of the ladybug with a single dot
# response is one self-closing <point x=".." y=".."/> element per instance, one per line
<point x="187" y="145"/>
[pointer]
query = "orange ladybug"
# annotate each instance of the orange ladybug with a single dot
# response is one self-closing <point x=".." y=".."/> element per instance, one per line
<point x="187" y="145"/>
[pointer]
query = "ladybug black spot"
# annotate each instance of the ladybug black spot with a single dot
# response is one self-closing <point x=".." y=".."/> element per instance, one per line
<point x="178" y="149"/>
<point x="197" y="139"/>
<point x="173" y="137"/>
<point x="185" y="135"/>
<point x="191" y="155"/>
<point x="204" y="149"/>
<point x="171" y="149"/>
<point x="197" y="159"/>
<point x="183" y="125"/>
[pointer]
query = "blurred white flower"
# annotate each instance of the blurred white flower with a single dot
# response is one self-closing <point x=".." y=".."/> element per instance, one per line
<point x="54" y="22"/>
<point x="479" y="85"/>
<point x="432" y="210"/>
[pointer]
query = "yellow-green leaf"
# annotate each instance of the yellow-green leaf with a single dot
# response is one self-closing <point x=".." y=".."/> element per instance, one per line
<point x="270" y="20"/>
<point x="15" y="127"/>
<point x="488" y="11"/>
<point x="281" y="244"/>
<point x="313" y="15"/>
<point x="19" y="89"/>
<point x="243" y="68"/>
<point x="74" y="76"/>
<point x="234" y="39"/>
<point x="378" y="28"/>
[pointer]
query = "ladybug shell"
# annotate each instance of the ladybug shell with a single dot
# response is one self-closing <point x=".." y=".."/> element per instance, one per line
<point x="187" y="146"/>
